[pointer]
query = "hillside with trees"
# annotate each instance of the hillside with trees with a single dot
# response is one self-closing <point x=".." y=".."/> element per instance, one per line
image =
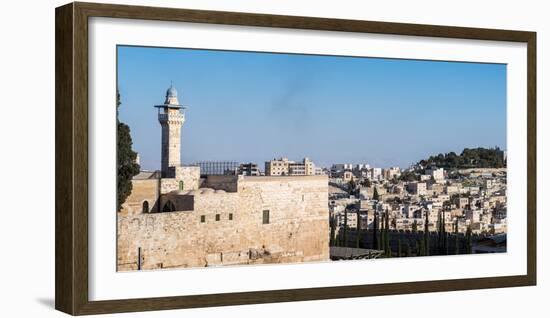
<point x="469" y="158"/>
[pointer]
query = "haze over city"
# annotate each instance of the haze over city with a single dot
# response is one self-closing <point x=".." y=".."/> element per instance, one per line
<point x="253" y="107"/>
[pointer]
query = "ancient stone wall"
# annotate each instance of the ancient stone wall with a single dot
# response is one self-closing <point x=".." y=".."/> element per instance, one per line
<point x="227" y="183"/>
<point x="188" y="176"/>
<point x="181" y="202"/>
<point x="226" y="228"/>
<point x="142" y="190"/>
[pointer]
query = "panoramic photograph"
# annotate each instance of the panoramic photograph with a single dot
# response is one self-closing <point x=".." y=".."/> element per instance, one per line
<point x="233" y="158"/>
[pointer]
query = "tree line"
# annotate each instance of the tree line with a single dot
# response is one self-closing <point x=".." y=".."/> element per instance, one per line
<point x="469" y="158"/>
<point x="423" y="243"/>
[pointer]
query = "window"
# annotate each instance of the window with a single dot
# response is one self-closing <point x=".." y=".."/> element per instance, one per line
<point x="230" y="216"/>
<point x="265" y="217"/>
<point x="181" y="185"/>
<point x="203" y="218"/>
<point x="145" y="207"/>
<point x="217" y="217"/>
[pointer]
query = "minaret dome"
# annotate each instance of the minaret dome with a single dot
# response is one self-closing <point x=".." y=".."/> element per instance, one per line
<point x="171" y="96"/>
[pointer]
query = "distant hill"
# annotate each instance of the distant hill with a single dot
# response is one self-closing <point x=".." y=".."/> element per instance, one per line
<point x="469" y="158"/>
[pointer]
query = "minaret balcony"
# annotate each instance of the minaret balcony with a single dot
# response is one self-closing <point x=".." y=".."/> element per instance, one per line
<point x="172" y="117"/>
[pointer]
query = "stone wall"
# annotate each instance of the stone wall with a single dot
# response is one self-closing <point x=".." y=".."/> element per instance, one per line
<point x="227" y="183"/>
<point x="226" y="228"/>
<point x="190" y="177"/>
<point x="142" y="190"/>
<point x="182" y="202"/>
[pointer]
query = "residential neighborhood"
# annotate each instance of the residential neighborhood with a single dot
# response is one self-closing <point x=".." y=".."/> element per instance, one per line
<point x="462" y="205"/>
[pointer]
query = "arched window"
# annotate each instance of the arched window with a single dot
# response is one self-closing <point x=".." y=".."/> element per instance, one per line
<point x="145" y="207"/>
<point x="181" y="185"/>
<point x="169" y="207"/>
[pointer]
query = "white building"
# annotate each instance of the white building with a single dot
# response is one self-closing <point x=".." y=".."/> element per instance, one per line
<point x="392" y="172"/>
<point x="376" y="174"/>
<point x="285" y="167"/>
<point x="438" y="174"/>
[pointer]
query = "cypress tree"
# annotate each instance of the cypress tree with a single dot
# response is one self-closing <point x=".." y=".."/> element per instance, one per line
<point x="382" y="233"/>
<point x="415" y="226"/>
<point x="387" y="234"/>
<point x="426" y="237"/>
<point x="469" y="240"/>
<point x="332" y="230"/>
<point x="457" y="243"/>
<point x="421" y="248"/>
<point x="439" y="235"/>
<point x="358" y="230"/>
<point x="345" y="236"/>
<point x="399" y="248"/>
<point x="351" y="187"/>
<point x="408" y="252"/>
<point x="445" y="236"/>
<point x="127" y="166"/>
<point x="446" y="243"/>
<point x="375" y="244"/>
<point x="375" y="195"/>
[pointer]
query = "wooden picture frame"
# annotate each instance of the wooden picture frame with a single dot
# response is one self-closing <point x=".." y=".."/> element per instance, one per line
<point x="71" y="108"/>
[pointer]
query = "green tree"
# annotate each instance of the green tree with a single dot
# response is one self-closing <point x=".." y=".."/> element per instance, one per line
<point x="382" y="232"/>
<point x="332" y="221"/>
<point x="469" y="158"/>
<point x="375" y="242"/>
<point x="426" y="235"/>
<point x="442" y="235"/>
<point x="446" y="243"/>
<point x="399" y="248"/>
<point x="351" y="187"/>
<point x="366" y="183"/>
<point x="375" y="195"/>
<point x="345" y="236"/>
<point x="457" y="243"/>
<point x="469" y="240"/>
<point x="408" y="176"/>
<point x="439" y="234"/>
<point x="415" y="226"/>
<point x="408" y="252"/>
<point x="421" y="248"/>
<point x="387" y="247"/>
<point x="358" y="231"/>
<point x="127" y="166"/>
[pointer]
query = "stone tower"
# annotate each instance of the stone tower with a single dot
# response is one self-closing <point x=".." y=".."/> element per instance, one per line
<point x="171" y="120"/>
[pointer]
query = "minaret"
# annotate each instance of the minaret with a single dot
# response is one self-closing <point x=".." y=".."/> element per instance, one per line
<point x="171" y="120"/>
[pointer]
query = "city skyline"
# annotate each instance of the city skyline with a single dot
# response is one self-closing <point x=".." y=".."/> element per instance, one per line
<point x="253" y="107"/>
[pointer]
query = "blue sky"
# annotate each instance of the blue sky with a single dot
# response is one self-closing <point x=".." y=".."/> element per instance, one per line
<point x="252" y="107"/>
